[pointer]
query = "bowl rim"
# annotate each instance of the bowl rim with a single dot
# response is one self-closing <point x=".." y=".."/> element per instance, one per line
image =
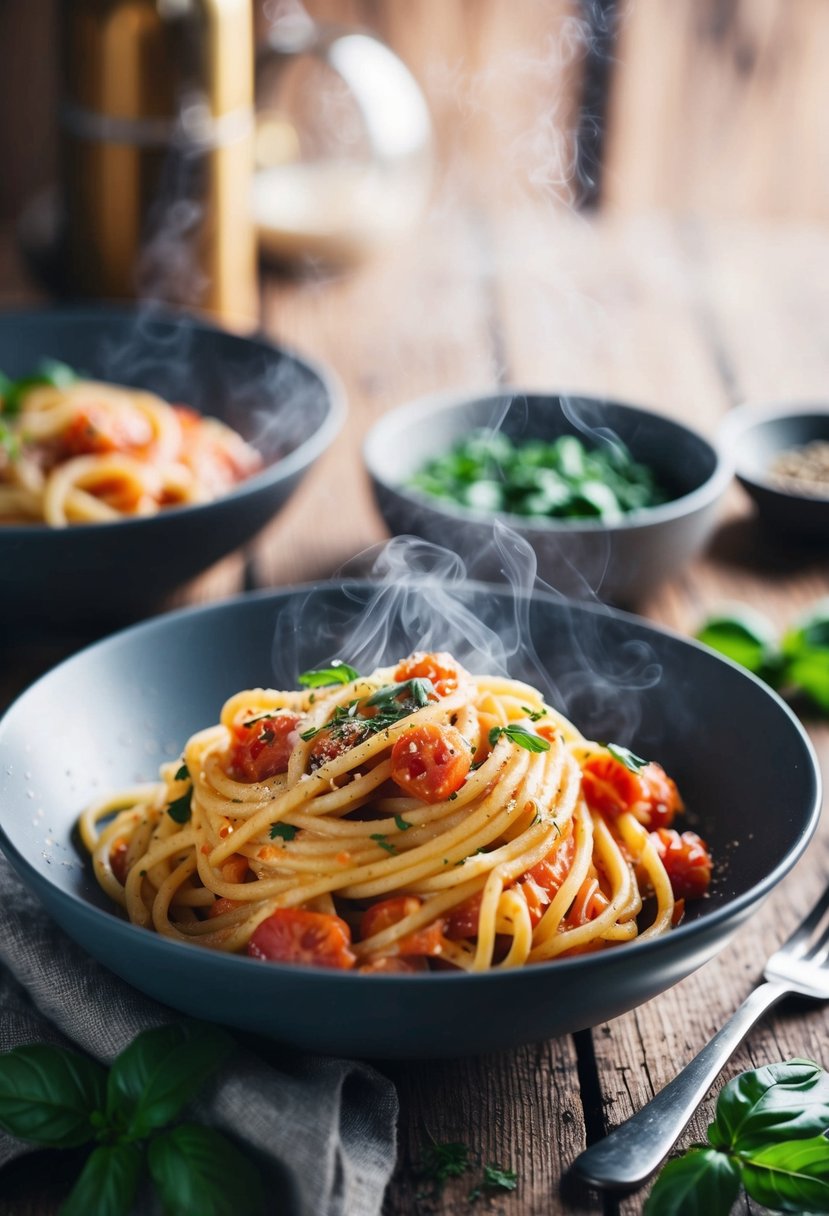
<point x="272" y="474"/>
<point x="432" y="404"/>
<point x="172" y="950"/>
<point x="751" y="416"/>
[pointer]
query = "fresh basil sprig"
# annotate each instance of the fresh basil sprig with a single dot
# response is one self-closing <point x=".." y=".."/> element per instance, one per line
<point x="520" y="735"/>
<point x="630" y="760"/>
<point x="797" y="664"/>
<point x="768" y="1137"/>
<point x="52" y="1096"/>
<point x="50" y="371"/>
<point x="324" y="677"/>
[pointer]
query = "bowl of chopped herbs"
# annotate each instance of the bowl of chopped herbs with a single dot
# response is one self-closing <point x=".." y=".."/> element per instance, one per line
<point x="611" y="498"/>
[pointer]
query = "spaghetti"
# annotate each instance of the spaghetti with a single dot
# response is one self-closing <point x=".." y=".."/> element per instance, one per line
<point x="78" y="451"/>
<point x="415" y="818"/>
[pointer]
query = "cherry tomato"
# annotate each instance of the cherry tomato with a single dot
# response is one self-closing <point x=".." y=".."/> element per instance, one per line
<point x="541" y="882"/>
<point x="294" y="935"/>
<point x="611" y="788"/>
<point x="424" y="942"/>
<point x="261" y="747"/>
<point x="328" y="743"/>
<point x="589" y="902"/>
<point x="96" y="430"/>
<point x="430" y="762"/>
<point x="687" y="861"/>
<point x="439" y="667"/>
<point x="385" y="913"/>
<point x="118" y="859"/>
<point x="462" y="921"/>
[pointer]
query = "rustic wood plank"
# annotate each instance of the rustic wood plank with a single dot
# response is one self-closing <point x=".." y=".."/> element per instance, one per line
<point x="718" y="107"/>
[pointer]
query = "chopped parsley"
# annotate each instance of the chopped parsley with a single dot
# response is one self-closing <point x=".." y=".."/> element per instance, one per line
<point x="389" y="705"/>
<point x="626" y="757"/>
<point x="260" y="718"/>
<point x="285" y="831"/>
<point x="266" y="735"/>
<point x="180" y="809"/>
<point x="383" y="842"/>
<point x="534" y="714"/>
<point x="323" y="677"/>
<point x="402" y="824"/>
<point x="521" y="736"/>
<point x="445" y="1160"/>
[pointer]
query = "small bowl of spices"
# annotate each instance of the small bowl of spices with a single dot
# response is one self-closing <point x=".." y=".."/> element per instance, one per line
<point x="781" y="457"/>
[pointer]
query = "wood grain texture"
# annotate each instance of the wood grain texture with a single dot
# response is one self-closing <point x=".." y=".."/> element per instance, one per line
<point x="719" y="107"/>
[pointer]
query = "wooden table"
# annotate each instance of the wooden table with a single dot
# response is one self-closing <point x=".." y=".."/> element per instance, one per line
<point x="687" y="319"/>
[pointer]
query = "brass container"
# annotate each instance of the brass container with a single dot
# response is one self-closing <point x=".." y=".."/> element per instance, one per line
<point x="157" y="124"/>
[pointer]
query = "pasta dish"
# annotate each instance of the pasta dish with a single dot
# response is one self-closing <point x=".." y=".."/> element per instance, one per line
<point x="417" y="818"/>
<point x="78" y="451"/>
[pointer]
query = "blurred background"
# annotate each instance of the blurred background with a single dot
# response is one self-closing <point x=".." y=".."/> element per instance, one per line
<point x="713" y="108"/>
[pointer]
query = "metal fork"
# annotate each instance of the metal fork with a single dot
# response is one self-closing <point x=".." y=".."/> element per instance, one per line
<point x="627" y="1157"/>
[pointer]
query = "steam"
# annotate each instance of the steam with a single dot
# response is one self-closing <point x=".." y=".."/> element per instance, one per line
<point x="409" y="594"/>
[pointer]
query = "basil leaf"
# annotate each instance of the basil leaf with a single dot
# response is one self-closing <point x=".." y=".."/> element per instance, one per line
<point x="702" y="1182"/>
<point x="50" y="371"/>
<point x="107" y="1183"/>
<point x="627" y="757"/>
<point x="521" y="736"/>
<point x="746" y="637"/>
<point x="783" y="1101"/>
<point x="790" y="1177"/>
<point x="180" y="809"/>
<point x="196" y="1169"/>
<point x="337" y="673"/>
<point x="48" y="1095"/>
<point x="810" y="632"/>
<point x="160" y="1071"/>
<point x="810" y="675"/>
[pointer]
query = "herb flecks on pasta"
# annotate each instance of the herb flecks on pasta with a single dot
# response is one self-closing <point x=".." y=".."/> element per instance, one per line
<point x="413" y="819"/>
<point x="78" y="451"/>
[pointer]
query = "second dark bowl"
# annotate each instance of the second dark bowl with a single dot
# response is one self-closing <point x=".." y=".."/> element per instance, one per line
<point x="618" y="563"/>
<point x="287" y="407"/>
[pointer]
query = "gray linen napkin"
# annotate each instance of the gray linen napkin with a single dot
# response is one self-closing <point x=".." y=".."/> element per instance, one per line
<point x="327" y="1126"/>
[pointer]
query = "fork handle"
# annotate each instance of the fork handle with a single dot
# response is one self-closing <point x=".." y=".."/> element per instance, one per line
<point x="627" y="1157"/>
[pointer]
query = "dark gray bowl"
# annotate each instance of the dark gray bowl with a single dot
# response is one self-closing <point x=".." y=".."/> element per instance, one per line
<point x="289" y="408"/>
<point x="129" y="702"/>
<point x="757" y="434"/>
<point x="618" y="563"/>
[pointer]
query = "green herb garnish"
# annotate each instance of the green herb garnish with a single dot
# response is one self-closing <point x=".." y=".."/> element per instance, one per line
<point x="631" y="761"/>
<point x="534" y="714"/>
<point x="563" y="480"/>
<point x="180" y="809"/>
<point x="286" y="831"/>
<point x="402" y="824"/>
<point x="323" y="677"/>
<point x="50" y="371"/>
<point x="57" y="1098"/>
<point x="260" y="718"/>
<point x="444" y="1160"/>
<point x="797" y="665"/>
<point x="521" y="736"/>
<point x="768" y="1138"/>
<point x="383" y="842"/>
<point x="419" y="691"/>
